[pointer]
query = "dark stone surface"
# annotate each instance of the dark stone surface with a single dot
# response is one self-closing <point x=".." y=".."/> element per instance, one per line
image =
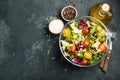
<point x="25" y="42"/>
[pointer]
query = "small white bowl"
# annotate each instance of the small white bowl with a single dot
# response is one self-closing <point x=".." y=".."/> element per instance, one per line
<point x="76" y="13"/>
<point x="56" y="26"/>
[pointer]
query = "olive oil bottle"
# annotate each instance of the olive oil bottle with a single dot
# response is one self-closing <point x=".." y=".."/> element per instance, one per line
<point x="103" y="12"/>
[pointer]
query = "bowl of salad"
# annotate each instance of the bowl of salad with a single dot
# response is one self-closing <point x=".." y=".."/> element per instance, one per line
<point x="84" y="41"/>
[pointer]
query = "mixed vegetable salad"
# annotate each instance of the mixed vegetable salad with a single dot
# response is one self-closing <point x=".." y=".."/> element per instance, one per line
<point x="84" y="42"/>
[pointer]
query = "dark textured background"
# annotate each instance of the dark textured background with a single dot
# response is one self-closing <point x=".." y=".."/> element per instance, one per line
<point x="25" y="42"/>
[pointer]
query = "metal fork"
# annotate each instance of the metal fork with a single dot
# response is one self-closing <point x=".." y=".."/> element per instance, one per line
<point x="105" y="61"/>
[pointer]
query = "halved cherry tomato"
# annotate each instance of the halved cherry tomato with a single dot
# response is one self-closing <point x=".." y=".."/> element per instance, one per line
<point x="85" y="31"/>
<point x="102" y="47"/>
<point x="88" y="55"/>
<point x="86" y="42"/>
<point x="66" y="32"/>
<point x="102" y="32"/>
<point x="84" y="62"/>
<point x="73" y="49"/>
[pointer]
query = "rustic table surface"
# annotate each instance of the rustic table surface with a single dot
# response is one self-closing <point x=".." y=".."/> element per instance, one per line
<point x="28" y="51"/>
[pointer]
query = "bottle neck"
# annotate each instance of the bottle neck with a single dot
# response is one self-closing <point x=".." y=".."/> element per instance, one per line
<point x="103" y="13"/>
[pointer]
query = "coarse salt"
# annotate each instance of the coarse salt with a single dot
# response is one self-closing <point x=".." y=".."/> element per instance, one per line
<point x="56" y="26"/>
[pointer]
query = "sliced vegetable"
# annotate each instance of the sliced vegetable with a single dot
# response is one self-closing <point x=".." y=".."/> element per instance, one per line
<point x="67" y="54"/>
<point x="91" y="61"/>
<point x="102" y="32"/>
<point x="76" y="60"/>
<point x="73" y="49"/>
<point x="75" y="35"/>
<point x="74" y="28"/>
<point x="64" y="43"/>
<point x="101" y="39"/>
<point x="99" y="28"/>
<point x="82" y="24"/>
<point x="88" y="55"/>
<point x="86" y="42"/>
<point x="102" y="47"/>
<point x="93" y="29"/>
<point x="80" y="55"/>
<point x="84" y="62"/>
<point x="90" y="36"/>
<point x="85" y="31"/>
<point x="66" y="32"/>
<point x="76" y="24"/>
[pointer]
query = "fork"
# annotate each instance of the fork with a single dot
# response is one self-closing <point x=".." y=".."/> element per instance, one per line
<point x="105" y="61"/>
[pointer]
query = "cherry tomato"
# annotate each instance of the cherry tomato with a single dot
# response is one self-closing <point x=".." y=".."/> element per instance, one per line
<point x="102" y="32"/>
<point x="88" y="55"/>
<point x="85" y="31"/>
<point x="84" y="62"/>
<point x="86" y="42"/>
<point x="102" y="47"/>
<point x="73" y="49"/>
<point x="66" y="32"/>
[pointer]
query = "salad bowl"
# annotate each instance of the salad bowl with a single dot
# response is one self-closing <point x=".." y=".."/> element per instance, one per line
<point x="84" y="41"/>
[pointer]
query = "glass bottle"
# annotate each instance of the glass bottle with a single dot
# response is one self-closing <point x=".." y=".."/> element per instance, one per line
<point x="103" y="12"/>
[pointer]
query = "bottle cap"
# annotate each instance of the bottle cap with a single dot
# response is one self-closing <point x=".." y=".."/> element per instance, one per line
<point x="105" y="7"/>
